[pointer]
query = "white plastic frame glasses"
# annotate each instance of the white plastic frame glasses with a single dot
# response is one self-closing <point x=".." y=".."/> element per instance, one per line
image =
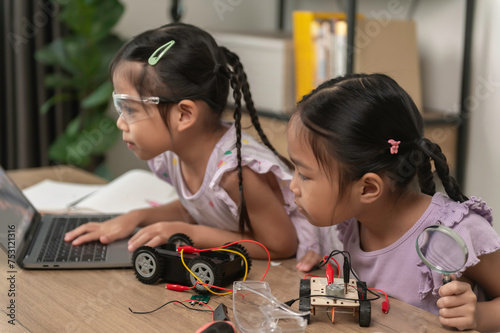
<point x="131" y="108"/>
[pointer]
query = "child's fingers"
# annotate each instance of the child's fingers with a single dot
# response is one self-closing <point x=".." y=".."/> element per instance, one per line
<point x="309" y="261"/>
<point x="461" y="323"/>
<point x="156" y="241"/>
<point x="85" y="238"/>
<point x="457" y="305"/>
<point x="462" y="295"/>
<point x="81" y="230"/>
<point x="454" y="288"/>
<point x="142" y="237"/>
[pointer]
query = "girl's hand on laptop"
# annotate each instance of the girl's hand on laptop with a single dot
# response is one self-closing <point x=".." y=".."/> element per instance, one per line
<point x="157" y="233"/>
<point x="105" y="232"/>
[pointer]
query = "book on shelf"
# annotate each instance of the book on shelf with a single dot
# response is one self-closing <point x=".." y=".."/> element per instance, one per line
<point x="320" y="50"/>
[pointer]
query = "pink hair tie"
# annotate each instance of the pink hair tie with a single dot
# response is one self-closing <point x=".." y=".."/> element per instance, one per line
<point x="395" y="146"/>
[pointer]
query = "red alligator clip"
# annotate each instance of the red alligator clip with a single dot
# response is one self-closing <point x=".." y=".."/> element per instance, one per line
<point x="176" y="287"/>
<point x="188" y="249"/>
<point x="330" y="274"/>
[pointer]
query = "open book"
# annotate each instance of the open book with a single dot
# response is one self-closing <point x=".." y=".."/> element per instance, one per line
<point x="132" y="190"/>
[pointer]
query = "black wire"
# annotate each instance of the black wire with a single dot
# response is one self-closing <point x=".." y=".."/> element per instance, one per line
<point x="333" y="253"/>
<point x="174" y="301"/>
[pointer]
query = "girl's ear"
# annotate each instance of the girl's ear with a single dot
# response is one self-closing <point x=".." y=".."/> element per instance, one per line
<point x="370" y="187"/>
<point x="186" y="114"/>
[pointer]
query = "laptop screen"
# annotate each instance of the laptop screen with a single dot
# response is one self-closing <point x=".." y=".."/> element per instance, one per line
<point x="16" y="214"/>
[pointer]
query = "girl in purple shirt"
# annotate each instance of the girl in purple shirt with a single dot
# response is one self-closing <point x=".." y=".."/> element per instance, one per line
<point x="364" y="165"/>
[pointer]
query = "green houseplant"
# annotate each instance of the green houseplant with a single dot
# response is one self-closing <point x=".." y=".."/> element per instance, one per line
<point x="82" y="57"/>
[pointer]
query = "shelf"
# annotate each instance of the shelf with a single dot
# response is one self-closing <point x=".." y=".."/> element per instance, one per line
<point x="458" y="122"/>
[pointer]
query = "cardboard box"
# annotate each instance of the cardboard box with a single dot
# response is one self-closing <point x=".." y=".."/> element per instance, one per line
<point x="389" y="47"/>
<point x="268" y="63"/>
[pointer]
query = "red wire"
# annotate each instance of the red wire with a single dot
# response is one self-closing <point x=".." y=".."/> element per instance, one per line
<point x="356" y="287"/>
<point x="311" y="275"/>
<point x="336" y="263"/>
<point x="379" y="290"/>
<point x="246" y="241"/>
<point x="385" y="304"/>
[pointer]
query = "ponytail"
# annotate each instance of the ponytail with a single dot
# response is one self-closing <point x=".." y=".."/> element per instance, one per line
<point x="237" y="66"/>
<point x="433" y="151"/>
<point x="244" y="218"/>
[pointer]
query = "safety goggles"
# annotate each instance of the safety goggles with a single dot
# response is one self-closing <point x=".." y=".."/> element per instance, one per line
<point x="256" y="310"/>
<point x="134" y="108"/>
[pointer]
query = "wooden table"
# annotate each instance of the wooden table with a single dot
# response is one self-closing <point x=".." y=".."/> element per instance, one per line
<point x="99" y="300"/>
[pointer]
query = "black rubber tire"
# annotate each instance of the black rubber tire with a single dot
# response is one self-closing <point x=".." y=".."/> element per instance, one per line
<point x="148" y="265"/>
<point x="207" y="271"/>
<point x="180" y="239"/>
<point x="304" y="300"/>
<point x="365" y="307"/>
<point x="365" y="313"/>
<point x="241" y="249"/>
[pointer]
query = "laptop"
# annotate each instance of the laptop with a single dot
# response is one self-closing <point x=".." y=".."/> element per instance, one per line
<point x="35" y="241"/>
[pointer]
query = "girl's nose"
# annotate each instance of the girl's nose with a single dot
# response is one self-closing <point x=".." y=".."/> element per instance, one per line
<point x="293" y="186"/>
<point x="121" y="124"/>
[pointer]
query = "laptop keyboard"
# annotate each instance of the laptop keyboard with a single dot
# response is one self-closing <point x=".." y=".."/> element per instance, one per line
<point x="55" y="249"/>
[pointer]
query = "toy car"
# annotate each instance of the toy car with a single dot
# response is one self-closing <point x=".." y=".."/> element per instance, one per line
<point x="217" y="268"/>
<point x="353" y="299"/>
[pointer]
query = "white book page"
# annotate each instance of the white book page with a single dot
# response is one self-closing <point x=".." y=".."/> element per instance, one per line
<point x="133" y="190"/>
<point x="50" y="195"/>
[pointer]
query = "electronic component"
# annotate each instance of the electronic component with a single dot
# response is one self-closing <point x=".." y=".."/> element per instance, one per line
<point x="335" y="289"/>
<point x="199" y="299"/>
<point x="220" y="313"/>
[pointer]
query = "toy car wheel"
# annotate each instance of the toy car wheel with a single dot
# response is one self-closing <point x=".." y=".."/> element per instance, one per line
<point x="241" y="249"/>
<point x="207" y="271"/>
<point x="148" y="265"/>
<point x="365" y="313"/>
<point x="180" y="239"/>
<point x="305" y="300"/>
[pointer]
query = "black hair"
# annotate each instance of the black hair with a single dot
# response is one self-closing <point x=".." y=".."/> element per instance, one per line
<point x="352" y="118"/>
<point x="194" y="68"/>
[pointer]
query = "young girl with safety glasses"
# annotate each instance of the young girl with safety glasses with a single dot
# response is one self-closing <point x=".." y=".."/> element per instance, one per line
<point x="171" y="86"/>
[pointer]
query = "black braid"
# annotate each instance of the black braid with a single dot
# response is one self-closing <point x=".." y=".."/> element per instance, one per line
<point x="243" y="212"/>
<point x="450" y="184"/>
<point x="426" y="176"/>
<point x="237" y="66"/>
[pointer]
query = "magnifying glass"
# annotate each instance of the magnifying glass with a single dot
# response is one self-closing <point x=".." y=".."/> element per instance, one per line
<point x="442" y="249"/>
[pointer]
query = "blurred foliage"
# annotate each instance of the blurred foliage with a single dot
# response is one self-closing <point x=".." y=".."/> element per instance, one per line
<point x="78" y="73"/>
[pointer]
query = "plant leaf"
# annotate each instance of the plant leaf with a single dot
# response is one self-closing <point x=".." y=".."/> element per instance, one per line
<point x="108" y="13"/>
<point x="100" y="96"/>
<point x="92" y="19"/>
<point x="58" y="80"/>
<point x="101" y="134"/>
<point x="54" y="100"/>
<point x="73" y="128"/>
<point x="67" y="151"/>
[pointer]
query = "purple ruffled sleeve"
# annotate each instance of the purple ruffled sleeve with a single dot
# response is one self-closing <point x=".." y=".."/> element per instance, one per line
<point x="472" y="220"/>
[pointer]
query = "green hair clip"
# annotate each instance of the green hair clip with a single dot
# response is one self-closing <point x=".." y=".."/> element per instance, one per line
<point x="155" y="57"/>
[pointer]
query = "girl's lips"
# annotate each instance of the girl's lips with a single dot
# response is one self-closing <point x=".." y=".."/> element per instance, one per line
<point x="130" y="145"/>
<point x="299" y="208"/>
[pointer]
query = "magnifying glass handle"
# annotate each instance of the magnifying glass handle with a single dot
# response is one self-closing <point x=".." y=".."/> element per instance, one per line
<point x="446" y="279"/>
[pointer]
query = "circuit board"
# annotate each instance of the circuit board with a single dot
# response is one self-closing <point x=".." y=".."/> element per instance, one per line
<point x="319" y="285"/>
